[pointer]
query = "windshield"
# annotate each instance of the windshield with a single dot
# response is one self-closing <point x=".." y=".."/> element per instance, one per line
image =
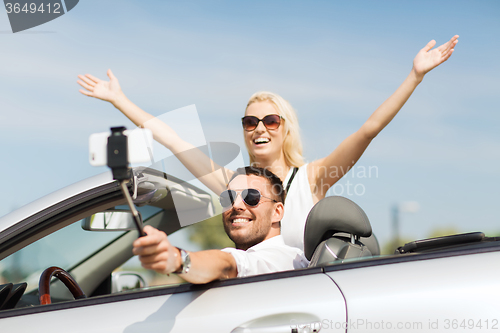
<point x="63" y="248"/>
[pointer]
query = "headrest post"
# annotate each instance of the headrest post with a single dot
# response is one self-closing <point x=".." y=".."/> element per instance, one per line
<point x="353" y="239"/>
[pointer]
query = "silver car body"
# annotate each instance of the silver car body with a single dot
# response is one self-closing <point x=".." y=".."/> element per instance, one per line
<point x="443" y="290"/>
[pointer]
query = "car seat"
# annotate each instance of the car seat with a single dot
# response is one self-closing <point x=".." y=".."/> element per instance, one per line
<point x="337" y="229"/>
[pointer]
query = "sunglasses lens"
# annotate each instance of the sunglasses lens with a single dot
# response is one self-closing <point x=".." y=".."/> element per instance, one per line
<point x="251" y="196"/>
<point x="272" y="121"/>
<point x="249" y="123"/>
<point x="227" y="198"/>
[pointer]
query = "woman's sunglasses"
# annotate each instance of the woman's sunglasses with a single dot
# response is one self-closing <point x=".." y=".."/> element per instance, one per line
<point x="271" y="121"/>
<point x="250" y="196"/>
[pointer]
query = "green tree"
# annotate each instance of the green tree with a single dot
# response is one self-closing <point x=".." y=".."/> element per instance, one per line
<point x="443" y="231"/>
<point x="210" y="234"/>
<point x="391" y="246"/>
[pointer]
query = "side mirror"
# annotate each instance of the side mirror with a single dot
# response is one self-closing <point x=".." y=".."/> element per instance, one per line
<point x="123" y="281"/>
<point x="110" y="220"/>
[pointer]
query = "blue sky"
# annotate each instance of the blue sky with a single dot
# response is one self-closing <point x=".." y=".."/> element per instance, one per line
<point x="335" y="61"/>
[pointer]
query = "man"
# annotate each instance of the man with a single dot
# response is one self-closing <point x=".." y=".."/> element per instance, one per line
<point x="253" y="208"/>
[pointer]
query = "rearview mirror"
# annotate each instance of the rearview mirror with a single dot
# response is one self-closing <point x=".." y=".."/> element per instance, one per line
<point x="110" y="220"/>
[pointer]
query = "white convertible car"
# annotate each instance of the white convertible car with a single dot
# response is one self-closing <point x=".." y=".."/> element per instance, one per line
<point x="445" y="284"/>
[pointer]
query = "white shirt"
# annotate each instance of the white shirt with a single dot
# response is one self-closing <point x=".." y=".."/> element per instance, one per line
<point x="271" y="255"/>
<point x="298" y="204"/>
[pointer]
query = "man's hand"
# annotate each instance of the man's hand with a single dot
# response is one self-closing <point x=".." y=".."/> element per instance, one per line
<point x="155" y="252"/>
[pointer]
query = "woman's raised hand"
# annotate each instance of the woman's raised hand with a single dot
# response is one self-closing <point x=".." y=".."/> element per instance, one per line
<point x="427" y="59"/>
<point x="105" y="90"/>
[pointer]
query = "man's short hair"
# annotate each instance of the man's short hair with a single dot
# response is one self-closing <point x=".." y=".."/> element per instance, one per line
<point x="276" y="185"/>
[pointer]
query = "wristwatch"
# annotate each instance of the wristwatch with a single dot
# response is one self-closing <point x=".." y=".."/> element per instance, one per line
<point x="185" y="262"/>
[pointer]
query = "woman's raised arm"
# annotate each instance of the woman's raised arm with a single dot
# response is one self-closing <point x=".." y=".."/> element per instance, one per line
<point x="199" y="164"/>
<point x="325" y="172"/>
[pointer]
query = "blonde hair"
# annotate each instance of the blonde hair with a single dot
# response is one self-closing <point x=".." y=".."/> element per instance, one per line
<point x="292" y="145"/>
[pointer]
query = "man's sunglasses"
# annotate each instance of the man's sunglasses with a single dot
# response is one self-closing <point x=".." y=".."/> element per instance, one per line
<point x="271" y="121"/>
<point x="250" y="196"/>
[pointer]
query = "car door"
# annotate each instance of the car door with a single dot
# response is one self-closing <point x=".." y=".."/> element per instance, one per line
<point x="305" y="299"/>
<point x="422" y="293"/>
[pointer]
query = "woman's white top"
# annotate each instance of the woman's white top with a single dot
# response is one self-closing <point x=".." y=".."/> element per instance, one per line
<point x="298" y="203"/>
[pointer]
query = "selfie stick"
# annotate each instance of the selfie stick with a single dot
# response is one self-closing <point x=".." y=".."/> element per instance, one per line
<point x="117" y="151"/>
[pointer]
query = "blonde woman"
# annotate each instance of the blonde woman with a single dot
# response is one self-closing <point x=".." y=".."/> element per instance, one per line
<point x="271" y="133"/>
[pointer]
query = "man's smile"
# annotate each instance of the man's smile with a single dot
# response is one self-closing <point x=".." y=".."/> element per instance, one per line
<point x="241" y="220"/>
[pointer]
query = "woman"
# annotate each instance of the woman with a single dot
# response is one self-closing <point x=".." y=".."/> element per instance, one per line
<point x="271" y="136"/>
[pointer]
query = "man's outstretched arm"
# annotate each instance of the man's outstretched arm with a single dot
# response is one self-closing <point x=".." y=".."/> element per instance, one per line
<point x="155" y="252"/>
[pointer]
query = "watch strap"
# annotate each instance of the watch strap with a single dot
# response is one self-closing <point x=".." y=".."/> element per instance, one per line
<point x="185" y="262"/>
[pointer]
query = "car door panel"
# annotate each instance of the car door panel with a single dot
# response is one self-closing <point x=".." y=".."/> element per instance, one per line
<point x="422" y="295"/>
<point x="219" y="309"/>
<point x="232" y="307"/>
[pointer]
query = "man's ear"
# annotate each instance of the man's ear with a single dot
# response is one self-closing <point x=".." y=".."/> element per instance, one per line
<point x="279" y="211"/>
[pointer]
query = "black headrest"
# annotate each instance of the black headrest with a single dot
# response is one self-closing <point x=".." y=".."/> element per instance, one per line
<point x="331" y="215"/>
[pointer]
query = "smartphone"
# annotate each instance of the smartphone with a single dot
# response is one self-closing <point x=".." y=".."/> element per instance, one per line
<point x="140" y="147"/>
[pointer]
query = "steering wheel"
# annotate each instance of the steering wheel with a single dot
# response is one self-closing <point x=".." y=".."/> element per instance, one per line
<point x="69" y="282"/>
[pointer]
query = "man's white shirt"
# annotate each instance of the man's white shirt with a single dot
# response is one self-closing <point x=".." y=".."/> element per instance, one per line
<point x="271" y="255"/>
